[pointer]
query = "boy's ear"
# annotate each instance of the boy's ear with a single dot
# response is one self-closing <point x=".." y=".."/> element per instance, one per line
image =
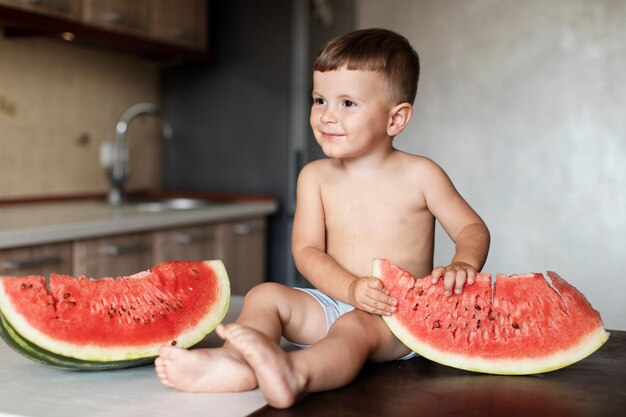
<point x="399" y="117"/>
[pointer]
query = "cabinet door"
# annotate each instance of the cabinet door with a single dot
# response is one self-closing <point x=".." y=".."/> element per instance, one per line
<point x="180" y="22"/>
<point x="198" y="242"/>
<point x="113" y="256"/>
<point x="129" y="16"/>
<point x="67" y="9"/>
<point x="37" y="260"/>
<point x="243" y="253"/>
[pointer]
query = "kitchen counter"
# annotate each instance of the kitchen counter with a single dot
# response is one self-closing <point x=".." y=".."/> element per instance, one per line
<point x="28" y="389"/>
<point x="38" y="223"/>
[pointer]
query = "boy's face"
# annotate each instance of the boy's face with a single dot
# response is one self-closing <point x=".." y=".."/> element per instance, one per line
<point x="350" y="112"/>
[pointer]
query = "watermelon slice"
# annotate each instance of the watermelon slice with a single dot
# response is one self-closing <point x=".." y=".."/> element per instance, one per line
<point x="110" y="323"/>
<point x="524" y="327"/>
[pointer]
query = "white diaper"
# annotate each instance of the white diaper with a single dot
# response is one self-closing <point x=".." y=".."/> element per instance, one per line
<point x="333" y="309"/>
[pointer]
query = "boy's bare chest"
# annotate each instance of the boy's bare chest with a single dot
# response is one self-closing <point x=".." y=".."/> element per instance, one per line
<point x="369" y="208"/>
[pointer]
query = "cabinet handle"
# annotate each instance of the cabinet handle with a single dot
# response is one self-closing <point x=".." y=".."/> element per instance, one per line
<point x="115" y="250"/>
<point x="58" y="5"/>
<point x="243" y="229"/>
<point x="122" y="19"/>
<point x="190" y="238"/>
<point x="31" y="263"/>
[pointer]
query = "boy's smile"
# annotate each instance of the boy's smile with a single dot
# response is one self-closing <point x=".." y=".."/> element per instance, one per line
<point x="331" y="137"/>
<point x="350" y="112"/>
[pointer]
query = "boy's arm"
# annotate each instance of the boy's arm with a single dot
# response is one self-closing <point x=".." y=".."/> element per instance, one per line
<point x="466" y="229"/>
<point x="309" y="252"/>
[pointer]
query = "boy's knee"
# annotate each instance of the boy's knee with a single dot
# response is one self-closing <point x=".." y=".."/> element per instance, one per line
<point x="373" y="331"/>
<point x="265" y="291"/>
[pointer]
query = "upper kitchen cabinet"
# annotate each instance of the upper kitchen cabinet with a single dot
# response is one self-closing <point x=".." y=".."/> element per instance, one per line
<point x="67" y="9"/>
<point x="129" y="16"/>
<point x="186" y="26"/>
<point x="162" y="30"/>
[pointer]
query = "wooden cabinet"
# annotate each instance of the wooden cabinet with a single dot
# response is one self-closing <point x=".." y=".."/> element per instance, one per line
<point x="239" y="244"/>
<point x="157" y="29"/>
<point x="66" y="9"/>
<point x="113" y="256"/>
<point x="37" y="260"/>
<point x="129" y="16"/>
<point x="243" y="253"/>
<point x="197" y="242"/>
<point x="178" y="22"/>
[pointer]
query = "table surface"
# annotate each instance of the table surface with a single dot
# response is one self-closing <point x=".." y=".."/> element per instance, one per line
<point x="28" y="389"/>
<point x="595" y="386"/>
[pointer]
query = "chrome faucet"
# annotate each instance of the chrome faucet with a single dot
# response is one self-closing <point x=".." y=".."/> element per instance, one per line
<point x="118" y="174"/>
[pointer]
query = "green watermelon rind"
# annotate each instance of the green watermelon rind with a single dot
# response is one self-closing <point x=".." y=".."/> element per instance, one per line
<point x="33" y="352"/>
<point x="506" y="366"/>
<point x="41" y="348"/>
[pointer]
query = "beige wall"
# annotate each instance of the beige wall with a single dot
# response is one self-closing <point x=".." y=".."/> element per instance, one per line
<point x="524" y="104"/>
<point x="58" y="102"/>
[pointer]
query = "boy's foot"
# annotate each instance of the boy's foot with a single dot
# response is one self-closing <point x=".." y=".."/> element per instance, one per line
<point x="275" y="373"/>
<point x="204" y="370"/>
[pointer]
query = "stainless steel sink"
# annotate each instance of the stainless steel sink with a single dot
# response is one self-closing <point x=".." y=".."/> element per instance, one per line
<point x="168" y="204"/>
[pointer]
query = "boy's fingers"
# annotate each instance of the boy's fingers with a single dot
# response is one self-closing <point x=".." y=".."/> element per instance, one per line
<point x="449" y="279"/>
<point x="380" y="293"/>
<point x="461" y="277"/>
<point x="380" y="303"/>
<point x="436" y="274"/>
<point x="375" y="284"/>
<point x="471" y="276"/>
<point x="381" y="308"/>
<point x="380" y="312"/>
<point x="382" y="299"/>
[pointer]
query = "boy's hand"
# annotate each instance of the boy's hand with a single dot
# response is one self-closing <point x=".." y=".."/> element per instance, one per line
<point x="368" y="294"/>
<point x="455" y="276"/>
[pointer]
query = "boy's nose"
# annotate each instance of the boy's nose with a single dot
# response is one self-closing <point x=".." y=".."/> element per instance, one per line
<point x="328" y="116"/>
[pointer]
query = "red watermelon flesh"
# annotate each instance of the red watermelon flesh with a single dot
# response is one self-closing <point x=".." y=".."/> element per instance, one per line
<point x="524" y="326"/>
<point x="117" y="319"/>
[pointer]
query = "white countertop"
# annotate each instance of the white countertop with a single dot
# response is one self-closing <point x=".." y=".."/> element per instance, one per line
<point x="29" y="389"/>
<point x="37" y="223"/>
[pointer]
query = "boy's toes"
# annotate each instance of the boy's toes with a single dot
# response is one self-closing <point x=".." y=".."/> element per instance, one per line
<point x="221" y="331"/>
<point x="167" y="353"/>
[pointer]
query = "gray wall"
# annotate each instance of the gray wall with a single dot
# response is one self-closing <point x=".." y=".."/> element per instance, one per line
<point x="523" y="103"/>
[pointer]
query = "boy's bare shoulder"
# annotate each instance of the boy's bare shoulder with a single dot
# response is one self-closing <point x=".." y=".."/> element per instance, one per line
<point x="318" y="168"/>
<point x="417" y="165"/>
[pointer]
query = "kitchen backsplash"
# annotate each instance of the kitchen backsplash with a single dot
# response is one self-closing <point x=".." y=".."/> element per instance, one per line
<point x="58" y="103"/>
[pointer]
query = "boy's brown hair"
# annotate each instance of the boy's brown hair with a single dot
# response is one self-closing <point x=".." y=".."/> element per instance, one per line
<point x="378" y="50"/>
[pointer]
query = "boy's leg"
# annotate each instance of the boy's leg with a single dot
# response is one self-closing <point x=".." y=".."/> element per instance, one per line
<point x="331" y="363"/>
<point x="271" y="309"/>
<point x="277" y="310"/>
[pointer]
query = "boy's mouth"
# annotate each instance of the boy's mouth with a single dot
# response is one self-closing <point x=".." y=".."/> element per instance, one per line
<point x="331" y="137"/>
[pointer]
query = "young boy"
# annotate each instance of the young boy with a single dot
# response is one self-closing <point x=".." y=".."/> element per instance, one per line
<point x="366" y="200"/>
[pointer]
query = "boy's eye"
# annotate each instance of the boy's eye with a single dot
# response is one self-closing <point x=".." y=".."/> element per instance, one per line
<point x="349" y="103"/>
<point x="318" y="100"/>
